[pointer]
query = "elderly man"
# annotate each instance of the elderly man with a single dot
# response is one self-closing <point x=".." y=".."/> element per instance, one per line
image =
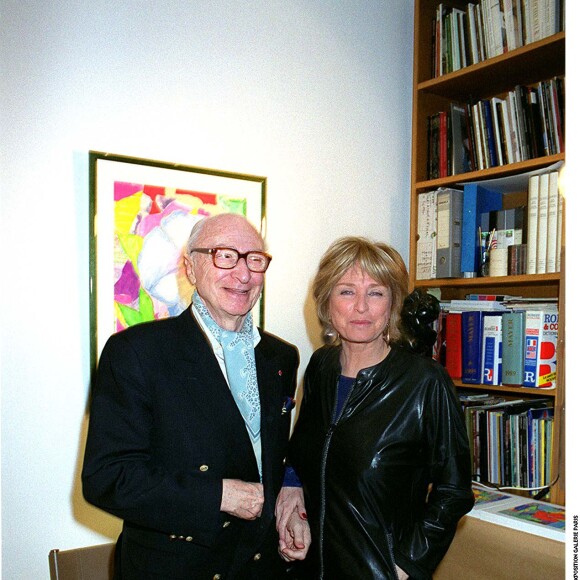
<point x="189" y="425"/>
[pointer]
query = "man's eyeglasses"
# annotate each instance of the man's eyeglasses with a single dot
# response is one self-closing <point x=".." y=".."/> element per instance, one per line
<point x="227" y="258"/>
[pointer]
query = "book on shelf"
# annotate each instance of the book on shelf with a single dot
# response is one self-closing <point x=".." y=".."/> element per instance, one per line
<point x="512" y="347"/>
<point x="542" y="232"/>
<point x="427" y="235"/>
<point x="533" y="200"/>
<point x="512" y="17"/>
<point x="458" y="144"/>
<point x="492" y="297"/>
<point x="552" y="229"/>
<point x="453" y="347"/>
<point x="443" y="154"/>
<point x="537" y="121"/>
<point x="449" y="220"/>
<point x="457" y="305"/>
<point x="541" y="341"/>
<point x="471" y="324"/>
<point x="510" y="225"/>
<point x="433" y="146"/>
<point x="440" y="345"/>
<point x="559" y="233"/>
<point x="473" y="41"/>
<point x="490" y="143"/>
<point x="477" y="199"/>
<point x="491" y="349"/>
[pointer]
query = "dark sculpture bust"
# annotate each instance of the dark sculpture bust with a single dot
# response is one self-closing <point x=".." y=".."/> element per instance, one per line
<point x="420" y="310"/>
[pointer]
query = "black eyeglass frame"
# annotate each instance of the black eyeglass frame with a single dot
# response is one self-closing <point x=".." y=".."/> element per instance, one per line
<point x="212" y="253"/>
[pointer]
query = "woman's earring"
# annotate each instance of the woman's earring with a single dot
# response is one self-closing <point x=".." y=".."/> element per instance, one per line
<point x="330" y="335"/>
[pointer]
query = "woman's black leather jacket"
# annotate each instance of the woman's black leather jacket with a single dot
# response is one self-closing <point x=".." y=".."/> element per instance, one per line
<point x="388" y="480"/>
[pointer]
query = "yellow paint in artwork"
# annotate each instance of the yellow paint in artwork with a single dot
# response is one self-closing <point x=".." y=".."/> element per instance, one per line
<point x="126" y="210"/>
<point x="132" y="245"/>
<point x="119" y="315"/>
<point x="211" y="209"/>
<point x="190" y="201"/>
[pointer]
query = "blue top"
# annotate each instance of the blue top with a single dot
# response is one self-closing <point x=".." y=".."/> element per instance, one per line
<point x="344" y="386"/>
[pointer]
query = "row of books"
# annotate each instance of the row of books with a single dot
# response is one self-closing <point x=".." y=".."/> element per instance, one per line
<point x="499" y="343"/>
<point x="458" y="229"/>
<point x="510" y="441"/>
<point x="490" y="28"/>
<point x="525" y="123"/>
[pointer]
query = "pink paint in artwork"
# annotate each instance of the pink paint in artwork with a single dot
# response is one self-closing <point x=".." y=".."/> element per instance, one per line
<point x="151" y="221"/>
<point x="122" y="189"/>
<point x="127" y="286"/>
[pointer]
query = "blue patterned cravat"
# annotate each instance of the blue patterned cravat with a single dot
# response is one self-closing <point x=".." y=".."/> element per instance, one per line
<point x="240" y="365"/>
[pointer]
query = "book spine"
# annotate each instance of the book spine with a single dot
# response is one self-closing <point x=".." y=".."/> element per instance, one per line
<point x="453" y="346"/>
<point x="490" y="136"/>
<point x="533" y="325"/>
<point x="512" y="348"/>
<point x="449" y="223"/>
<point x="533" y="192"/>
<point x="472" y="27"/>
<point x="427" y="232"/>
<point x="559" y="235"/>
<point x="469" y="231"/>
<point x="497" y="122"/>
<point x="491" y="349"/>
<point x="552" y="234"/>
<point x="471" y="331"/>
<point x="443" y="160"/>
<point x="541" y="342"/>
<point x="542" y="235"/>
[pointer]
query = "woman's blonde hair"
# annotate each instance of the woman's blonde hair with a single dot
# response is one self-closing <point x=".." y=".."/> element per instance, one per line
<point x="380" y="261"/>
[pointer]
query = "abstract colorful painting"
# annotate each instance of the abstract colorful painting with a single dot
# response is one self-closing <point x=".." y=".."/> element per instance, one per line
<point x="152" y="224"/>
<point x="547" y="515"/>
<point x="483" y="496"/>
<point x="142" y="212"/>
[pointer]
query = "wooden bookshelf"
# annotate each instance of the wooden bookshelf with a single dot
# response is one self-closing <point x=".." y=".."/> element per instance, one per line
<point x="527" y="65"/>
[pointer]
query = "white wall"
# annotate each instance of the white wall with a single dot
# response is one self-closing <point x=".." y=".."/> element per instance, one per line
<point x="313" y="94"/>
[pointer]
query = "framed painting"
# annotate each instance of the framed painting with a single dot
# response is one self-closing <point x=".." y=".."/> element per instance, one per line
<point x="141" y="214"/>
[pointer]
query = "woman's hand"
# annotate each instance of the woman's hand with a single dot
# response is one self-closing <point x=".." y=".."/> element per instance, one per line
<point x="294" y="539"/>
<point x="292" y="524"/>
<point x="290" y="499"/>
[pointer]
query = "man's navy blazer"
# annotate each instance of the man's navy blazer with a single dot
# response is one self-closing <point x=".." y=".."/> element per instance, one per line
<point x="165" y="431"/>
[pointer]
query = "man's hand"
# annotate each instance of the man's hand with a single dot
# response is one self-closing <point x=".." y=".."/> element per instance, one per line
<point x="242" y="499"/>
<point x="295" y="538"/>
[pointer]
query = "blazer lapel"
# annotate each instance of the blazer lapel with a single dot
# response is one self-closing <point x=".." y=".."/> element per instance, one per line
<point x="206" y="383"/>
<point x="269" y="384"/>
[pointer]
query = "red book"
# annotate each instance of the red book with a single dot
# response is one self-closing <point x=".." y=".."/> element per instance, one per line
<point x="453" y="345"/>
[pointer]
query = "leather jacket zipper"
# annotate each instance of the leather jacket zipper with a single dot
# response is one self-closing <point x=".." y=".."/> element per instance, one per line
<point x="325" y="450"/>
<point x="392" y="553"/>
